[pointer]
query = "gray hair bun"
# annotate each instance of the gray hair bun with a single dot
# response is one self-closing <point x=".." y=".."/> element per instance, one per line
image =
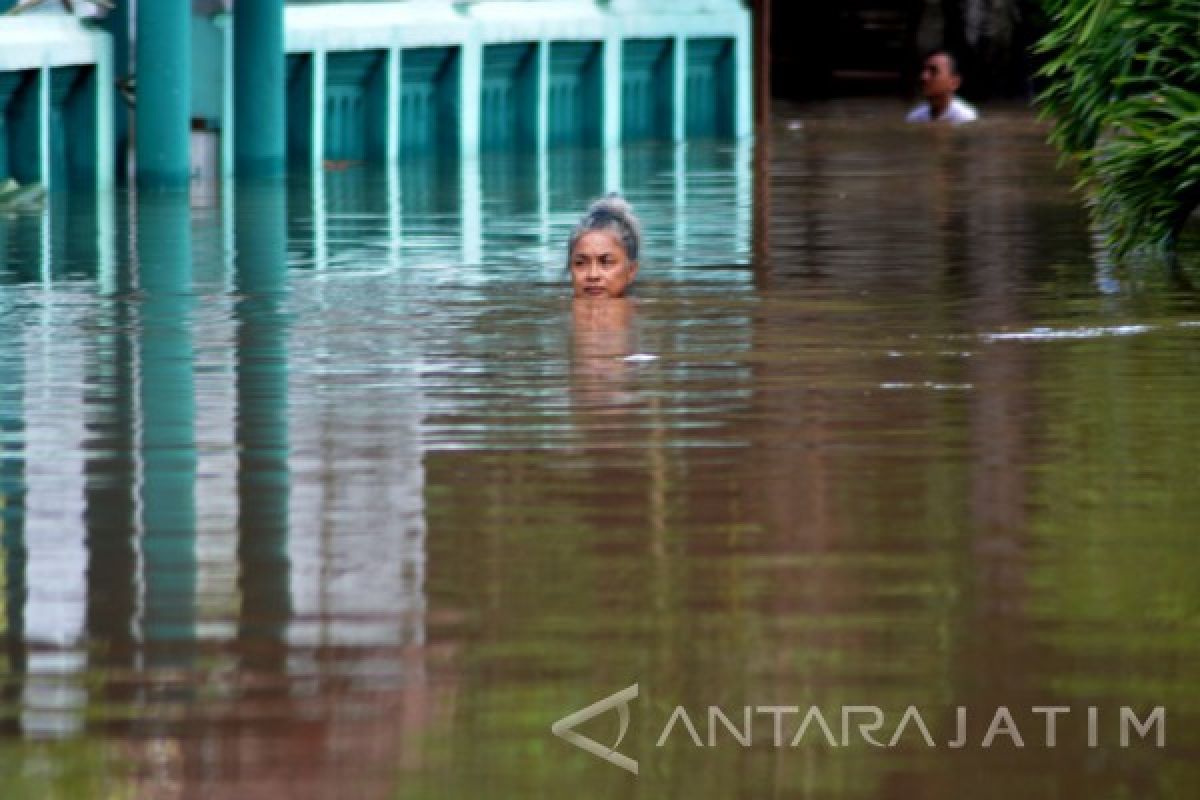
<point x="610" y="213"/>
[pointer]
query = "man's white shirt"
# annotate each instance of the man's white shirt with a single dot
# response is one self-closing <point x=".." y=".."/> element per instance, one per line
<point x="958" y="112"/>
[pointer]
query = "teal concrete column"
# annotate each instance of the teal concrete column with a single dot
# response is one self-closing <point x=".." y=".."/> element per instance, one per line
<point x="167" y="402"/>
<point x="118" y="28"/>
<point x="259" y="88"/>
<point x="263" y="477"/>
<point x="164" y="93"/>
<point x="470" y="98"/>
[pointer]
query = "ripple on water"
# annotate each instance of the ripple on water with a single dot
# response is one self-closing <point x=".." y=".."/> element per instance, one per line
<point x="362" y="502"/>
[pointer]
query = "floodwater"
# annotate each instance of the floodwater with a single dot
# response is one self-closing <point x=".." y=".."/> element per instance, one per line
<point x="336" y="493"/>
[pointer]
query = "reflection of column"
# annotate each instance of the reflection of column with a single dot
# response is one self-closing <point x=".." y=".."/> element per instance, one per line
<point x="110" y="514"/>
<point x="543" y="193"/>
<point x="612" y="170"/>
<point x="761" y="235"/>
<point x="106" y="242"/>
<point x="395" y="227"/>
<point x="977" y="237"/>
<point x="472" y="212"/>
<point x="167" y="449"/>
<point x="320" y="222"/>
<point x="46" y="273"/>
<point x="111" y="603"/>
<point x="977" y="230"/>
<point x="681" y="228"/>
<point x="262" y="415"/>
<point x="12" y="535"/>
<point x="743" y="212"/>
<point x="54" y="559"/>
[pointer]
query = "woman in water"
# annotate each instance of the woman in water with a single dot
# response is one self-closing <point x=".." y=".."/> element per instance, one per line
<point x="603" y="249"/>
<point x="602" y="255"/>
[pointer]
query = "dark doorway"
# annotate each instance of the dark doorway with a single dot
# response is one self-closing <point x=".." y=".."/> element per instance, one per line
<point x="872" y="47"/>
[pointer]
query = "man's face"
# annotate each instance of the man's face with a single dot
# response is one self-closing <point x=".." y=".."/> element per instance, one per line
<point x="937" y="77"/>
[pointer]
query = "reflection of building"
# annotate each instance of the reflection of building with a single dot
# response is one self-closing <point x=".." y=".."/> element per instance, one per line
<point x="230" y="475"/>
<point x="357" y="534"/>
<point x="148" y="511"/>
<point x="50" y="616"/>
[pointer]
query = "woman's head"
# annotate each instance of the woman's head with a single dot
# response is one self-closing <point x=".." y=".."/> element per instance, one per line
<point x="603" y="249"/>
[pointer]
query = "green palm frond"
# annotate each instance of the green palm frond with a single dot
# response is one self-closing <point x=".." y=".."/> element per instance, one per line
<point x="1123" y="95"/>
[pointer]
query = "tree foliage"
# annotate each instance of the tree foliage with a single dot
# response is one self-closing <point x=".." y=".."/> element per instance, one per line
<point x="1123" y="93"/>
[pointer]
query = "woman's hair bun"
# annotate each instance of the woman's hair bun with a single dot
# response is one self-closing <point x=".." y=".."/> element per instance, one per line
<point x="612" y="212"/>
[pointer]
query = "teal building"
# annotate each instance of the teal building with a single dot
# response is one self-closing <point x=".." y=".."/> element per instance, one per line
<point x="164" y="92"/>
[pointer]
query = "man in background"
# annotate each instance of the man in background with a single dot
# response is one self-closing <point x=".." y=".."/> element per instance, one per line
<point x="939" y="82"/>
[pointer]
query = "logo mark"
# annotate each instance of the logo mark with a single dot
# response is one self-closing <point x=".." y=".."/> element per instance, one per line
<point x="565" y="728"/>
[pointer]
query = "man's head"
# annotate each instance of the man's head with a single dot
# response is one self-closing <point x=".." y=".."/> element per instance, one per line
<point x="939" y="78"/>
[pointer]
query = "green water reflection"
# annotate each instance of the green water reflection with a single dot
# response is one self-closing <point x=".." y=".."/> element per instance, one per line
<point x="331" y="490"/>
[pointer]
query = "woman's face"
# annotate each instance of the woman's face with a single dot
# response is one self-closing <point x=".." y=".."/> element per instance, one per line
<point x="600" y="266"/>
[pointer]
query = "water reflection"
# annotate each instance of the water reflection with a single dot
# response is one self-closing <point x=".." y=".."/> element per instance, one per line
<point x="12" y="536"/>
<point x="263" y="476"/>
<point x="334" y="489"/>
<point x="603" y="344"/>
<point x="166" y="460"/>
<point x="110" y="505"/>
<point x="467" y="221"/>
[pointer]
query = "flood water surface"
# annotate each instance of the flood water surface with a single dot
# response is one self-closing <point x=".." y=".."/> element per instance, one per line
<point x="335" y="492"/>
